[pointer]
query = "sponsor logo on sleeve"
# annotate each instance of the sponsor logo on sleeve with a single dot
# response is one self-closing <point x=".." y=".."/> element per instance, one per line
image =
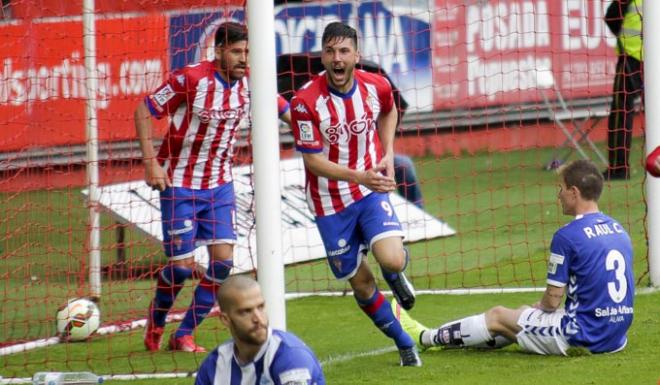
<point x="305" y="130"/>
<point x="554" y="261"/>
<point x="164" y="95"/>
<point x="295" y="376"/>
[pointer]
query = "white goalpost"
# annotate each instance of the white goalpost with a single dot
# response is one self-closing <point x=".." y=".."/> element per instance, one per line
<point x="91" y="125"/>
<point x="651" y="31"/>
<point x="266" y="150"/>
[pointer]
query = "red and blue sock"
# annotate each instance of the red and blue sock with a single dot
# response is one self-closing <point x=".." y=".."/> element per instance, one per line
<point x="380" y="312"/>
<point x="170" y="282"/>
<point x="204" y="297"/>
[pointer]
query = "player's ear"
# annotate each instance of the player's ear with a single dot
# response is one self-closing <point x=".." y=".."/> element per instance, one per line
<point x="576" y="191"/>
<point x="218" y="52"/>
<point x="224" y="318"/>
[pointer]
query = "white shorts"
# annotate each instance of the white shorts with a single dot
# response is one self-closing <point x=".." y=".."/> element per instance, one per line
<point x="541" y="332"/>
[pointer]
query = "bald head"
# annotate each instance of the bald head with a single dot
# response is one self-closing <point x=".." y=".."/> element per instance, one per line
<point x="236" y="284"/>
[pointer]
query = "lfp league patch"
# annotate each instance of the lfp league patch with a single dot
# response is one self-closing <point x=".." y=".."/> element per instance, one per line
<point x="164" y="95"/>
<point x="305" y="130"/>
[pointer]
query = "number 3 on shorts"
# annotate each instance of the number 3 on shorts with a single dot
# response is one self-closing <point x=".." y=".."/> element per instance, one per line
<point x="386" y="206"/>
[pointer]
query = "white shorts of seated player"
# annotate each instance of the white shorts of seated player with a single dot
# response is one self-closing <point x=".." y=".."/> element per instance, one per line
<point x="541" y="332"/>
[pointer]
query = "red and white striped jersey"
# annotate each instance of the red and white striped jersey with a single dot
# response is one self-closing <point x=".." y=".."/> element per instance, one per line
<point x="343" y="128"/>
<point x="206" y="112"/>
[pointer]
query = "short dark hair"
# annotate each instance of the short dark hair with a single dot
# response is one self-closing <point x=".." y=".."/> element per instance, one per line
<point x="339" y="30"/>
<point x="584" y="175"/>
<point x="238" y="283"/>
<point x="229" y="33"/>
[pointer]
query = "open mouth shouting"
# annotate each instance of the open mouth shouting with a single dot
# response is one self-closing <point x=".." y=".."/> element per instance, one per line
<point x="339" y="75"/>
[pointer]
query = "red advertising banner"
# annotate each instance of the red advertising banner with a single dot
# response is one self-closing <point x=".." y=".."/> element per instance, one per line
<point x="42" y="78"/>
<point x="501" y="52"/>
<point x="22" y="9"/>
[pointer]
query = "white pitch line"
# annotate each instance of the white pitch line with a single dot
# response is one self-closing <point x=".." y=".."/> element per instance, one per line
<point x="147" y="376"/>
<point x="351" y="356"/>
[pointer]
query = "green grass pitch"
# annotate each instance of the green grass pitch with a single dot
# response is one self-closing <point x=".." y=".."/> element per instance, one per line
<point x="503" y="206"/>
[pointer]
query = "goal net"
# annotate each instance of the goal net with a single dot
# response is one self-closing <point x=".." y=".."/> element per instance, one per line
<point x="494" y="96"/>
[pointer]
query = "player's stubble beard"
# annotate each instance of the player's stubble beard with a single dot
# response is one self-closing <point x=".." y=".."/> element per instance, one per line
<point x="236" y="72"/>
<point x="256" y="335"/>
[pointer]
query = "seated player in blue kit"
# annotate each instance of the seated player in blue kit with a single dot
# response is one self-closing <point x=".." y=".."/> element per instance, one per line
<point x="590" y="263"/>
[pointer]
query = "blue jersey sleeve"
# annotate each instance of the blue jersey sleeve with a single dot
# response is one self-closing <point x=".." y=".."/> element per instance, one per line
<point x="297" y="366"/>
<point x="206" y="372"/>
<point x="559" y="260"/>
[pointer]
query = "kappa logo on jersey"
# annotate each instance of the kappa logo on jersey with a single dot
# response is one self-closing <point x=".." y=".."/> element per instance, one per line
<point x="305" y="129"/>
<point x="181" y="79"/>
<point x="301" y="108"/>
<point x="164" y="95"/>
<point x="344" y="131"/>
<point x="205" y="116"/>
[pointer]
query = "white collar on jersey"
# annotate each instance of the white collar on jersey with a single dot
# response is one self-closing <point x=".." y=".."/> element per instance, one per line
<point x="223" y="81"/>
<point x="580" y="216"/>
<point x="342" y="95"/>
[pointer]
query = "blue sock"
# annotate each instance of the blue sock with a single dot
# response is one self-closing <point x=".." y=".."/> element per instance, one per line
<point x="204" y="297"/>
<point x="380" y="312"/>
<point x="170" y="282"/>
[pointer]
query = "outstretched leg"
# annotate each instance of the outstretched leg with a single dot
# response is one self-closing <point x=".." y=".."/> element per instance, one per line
<point x="495" y="328"/>
<point x="375" y="306"/>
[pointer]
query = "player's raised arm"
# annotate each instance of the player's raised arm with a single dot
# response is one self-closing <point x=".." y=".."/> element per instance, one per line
<point x="154" y="175"/>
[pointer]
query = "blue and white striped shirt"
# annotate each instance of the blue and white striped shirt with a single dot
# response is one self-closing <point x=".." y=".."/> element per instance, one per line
<point x="283" y="360"/>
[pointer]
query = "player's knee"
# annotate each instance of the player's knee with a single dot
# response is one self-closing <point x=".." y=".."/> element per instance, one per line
<point x="495" y="315"/>
<point x="396" y="265"/>
<point x="364" y="291"/>
<point x="393" y="258"/>
<point x="221" y="251"/>
<point x="363" y="286"/>
<point x="186" y="263"/>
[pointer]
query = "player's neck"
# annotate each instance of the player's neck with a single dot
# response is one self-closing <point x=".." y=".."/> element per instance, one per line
<point x="245" y="352"/>
<point x="586" y="207"/>
<point x="346" y="88"/>
<point x="223" y="74"/>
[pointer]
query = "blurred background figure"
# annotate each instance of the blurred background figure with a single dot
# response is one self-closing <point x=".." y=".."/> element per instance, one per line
<point x="624" y="19"/>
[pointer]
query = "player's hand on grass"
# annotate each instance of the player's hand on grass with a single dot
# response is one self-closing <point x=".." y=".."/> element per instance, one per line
<point x="375" y="181"/>
<point x="155" y="176"/>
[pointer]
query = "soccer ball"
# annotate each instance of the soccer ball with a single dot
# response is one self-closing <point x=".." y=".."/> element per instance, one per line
<point x="78" y="319"/>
